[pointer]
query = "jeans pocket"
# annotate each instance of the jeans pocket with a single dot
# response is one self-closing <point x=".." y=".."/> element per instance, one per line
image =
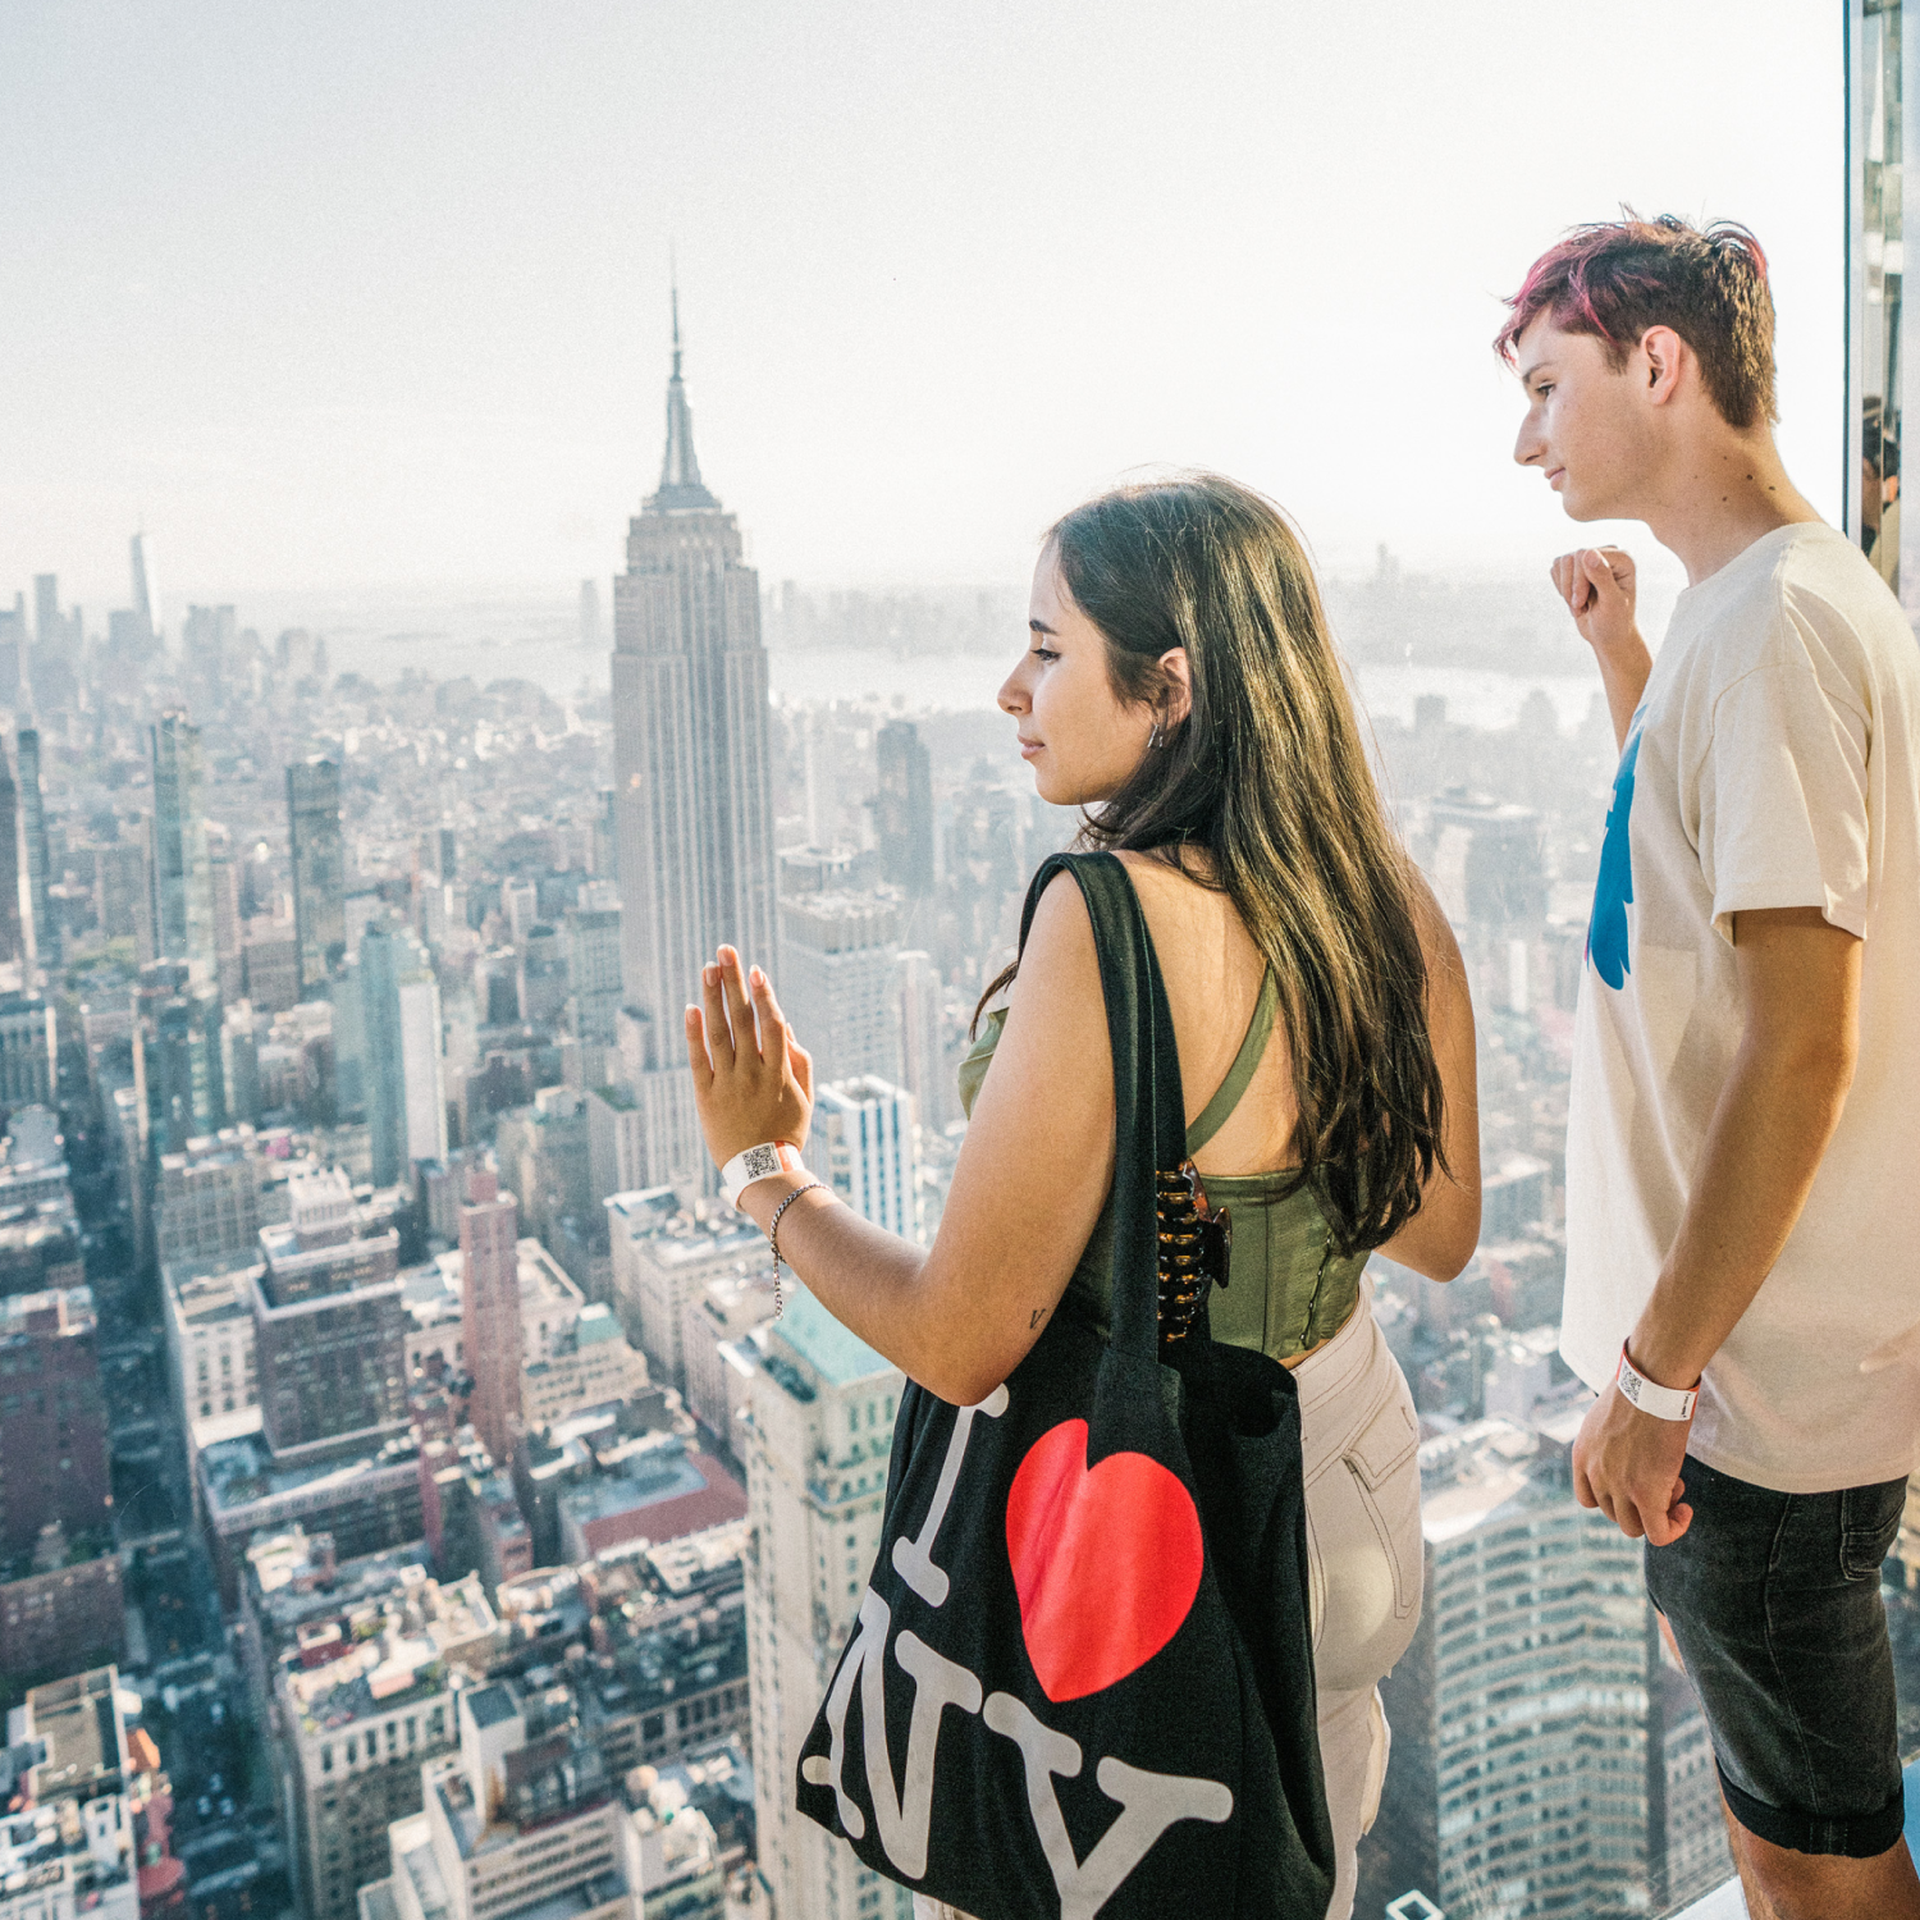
<point x="1381" y="1460"/>
<point x="1869" y="1521"/>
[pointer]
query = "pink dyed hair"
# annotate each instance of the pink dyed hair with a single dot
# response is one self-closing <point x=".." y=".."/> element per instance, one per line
<point x="1614" y="279"/>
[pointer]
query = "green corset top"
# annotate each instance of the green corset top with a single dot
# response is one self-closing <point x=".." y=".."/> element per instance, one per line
<point x="1288" y="1285"/>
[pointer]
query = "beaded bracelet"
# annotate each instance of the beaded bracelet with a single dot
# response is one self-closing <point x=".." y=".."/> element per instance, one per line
<point x="773" y="1240"/>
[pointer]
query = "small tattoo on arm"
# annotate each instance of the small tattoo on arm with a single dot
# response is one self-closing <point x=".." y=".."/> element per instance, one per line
<point x="1039" y="1314"/>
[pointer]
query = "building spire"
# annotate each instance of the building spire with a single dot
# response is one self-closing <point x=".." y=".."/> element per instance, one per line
<point x="680" y="484"/>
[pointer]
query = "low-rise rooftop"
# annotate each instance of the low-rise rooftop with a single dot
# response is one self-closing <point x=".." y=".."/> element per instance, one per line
<point x="812" y="1336"/>
<point x="696" y="1561"/>
<point x="240" y="1471"/>
<point x="79" y="1720"/>
<point x="375" y="1676"/>
<point x="56" y="1549"/>
<point x="62" y="1310"/>
<point x="1469" y="1475"/>
<point x="673" y="1236"/>
<point x="668" y="1654"/>
<point x="652" y="1487"/>
<point x="48" y="1850"/>
<point x="294" y="1585"/>
<point x="211" y="1299"/>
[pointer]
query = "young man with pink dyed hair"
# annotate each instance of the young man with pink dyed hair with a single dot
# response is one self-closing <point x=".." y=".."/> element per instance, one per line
<point x="1743" y="1194"/>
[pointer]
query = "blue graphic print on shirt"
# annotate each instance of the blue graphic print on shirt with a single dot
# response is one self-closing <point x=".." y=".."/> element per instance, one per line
<point x="1613" y="890"/>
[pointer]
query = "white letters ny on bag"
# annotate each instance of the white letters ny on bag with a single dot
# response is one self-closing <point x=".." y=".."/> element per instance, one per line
<point x="1149" y="1803"/>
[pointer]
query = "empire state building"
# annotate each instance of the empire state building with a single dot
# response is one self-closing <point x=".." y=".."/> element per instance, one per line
<point x="692" y="784"/>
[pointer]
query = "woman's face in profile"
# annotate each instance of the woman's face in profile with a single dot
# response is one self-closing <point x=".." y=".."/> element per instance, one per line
<point x="1080" y="740"/>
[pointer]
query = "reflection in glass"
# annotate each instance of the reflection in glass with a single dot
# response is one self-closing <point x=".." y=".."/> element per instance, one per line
<point x="1876" y="240"/>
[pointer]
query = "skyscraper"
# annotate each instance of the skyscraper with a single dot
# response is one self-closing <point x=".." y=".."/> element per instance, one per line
<point x="817" y="1429"/>
<point x="439" y="852"/>
<point x="146" y="593"/>
<point x="1520" y="1776"/>
<point x="13" y="938"/>
<point x="178" y="1073"/>
<point x="182" y="871"/>
<point x="229" y="965"/>
<point x="14" y="647"/>
<point x="492" y="1337"/>
<point x="522" y="1823"/>
<point x="33" y="841"/>
<point x="207" y="638"/>
<point x="606" y="835"/>
<point x="923" y="1058"/>
<point x="903" y="808"/>
<point x="404" y="1076"/>
<point x="319" y="869"/>
<point x="691" y="766"/>
<point x="349" y="1043"/>
<point x="345" y="1785"/>
<point x="121" y="892"/>
<point x="837" y="954"/>
<point x="593" y="972"/>
<point x="542" y="977"/>
<point x="53" y="1419"/>
<point x="1488" y="861"/>
<point x="863" y="1147"/>
<point x="58" y="639"/>
<point x="49" y="627"/>
<point x="329" y="1326"/>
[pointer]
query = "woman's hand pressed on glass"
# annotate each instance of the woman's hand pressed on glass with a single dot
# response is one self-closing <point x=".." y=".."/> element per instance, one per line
<point x="1027" y="1190"/>
<point x="752" y="1080"/>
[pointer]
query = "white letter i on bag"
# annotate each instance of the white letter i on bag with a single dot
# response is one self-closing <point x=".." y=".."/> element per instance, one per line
<point x="913" y="1559"/>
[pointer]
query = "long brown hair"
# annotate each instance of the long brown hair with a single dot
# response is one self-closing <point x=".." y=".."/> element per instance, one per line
<point x="1267" y="777"/>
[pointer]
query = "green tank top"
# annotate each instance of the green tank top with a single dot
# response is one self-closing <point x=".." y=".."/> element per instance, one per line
<point x="1288" y="1285"/>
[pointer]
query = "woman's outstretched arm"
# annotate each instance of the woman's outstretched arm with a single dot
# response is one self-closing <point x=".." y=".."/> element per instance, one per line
<point x="1032" y="1175"/>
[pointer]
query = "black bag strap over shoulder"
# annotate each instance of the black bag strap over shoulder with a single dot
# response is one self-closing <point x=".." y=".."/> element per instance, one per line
<point x="1149" y="1121"/>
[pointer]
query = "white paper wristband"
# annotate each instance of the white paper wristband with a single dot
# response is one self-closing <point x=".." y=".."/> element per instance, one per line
<point x="758" y="1163"/>
<point x="1664" y="1403"/>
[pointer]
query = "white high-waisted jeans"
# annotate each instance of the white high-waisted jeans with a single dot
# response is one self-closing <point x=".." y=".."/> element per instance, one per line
<point x="1358" y="1440"/>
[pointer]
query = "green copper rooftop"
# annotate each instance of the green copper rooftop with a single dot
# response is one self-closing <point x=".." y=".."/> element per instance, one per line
<point x="595" y="1324"/>
<point x="837" y="1356"/>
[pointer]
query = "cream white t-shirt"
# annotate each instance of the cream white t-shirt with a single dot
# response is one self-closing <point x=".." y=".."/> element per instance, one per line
<point x="1774" y="762"/>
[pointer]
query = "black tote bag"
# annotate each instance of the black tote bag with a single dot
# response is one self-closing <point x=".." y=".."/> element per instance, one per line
<point x="1081" y="1681"/>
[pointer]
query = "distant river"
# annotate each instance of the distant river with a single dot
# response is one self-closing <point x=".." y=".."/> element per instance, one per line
<point x="959" y="682"/>
<point x="542" y="651"/>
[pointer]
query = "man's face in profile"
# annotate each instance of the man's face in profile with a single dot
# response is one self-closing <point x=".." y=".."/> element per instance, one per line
<point x="1583" y="429"/>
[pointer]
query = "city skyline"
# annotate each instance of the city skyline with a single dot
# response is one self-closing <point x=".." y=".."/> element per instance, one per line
<point x="399" y="321"/>
<point x="446" y="1495"/>
<point x="374" y="1408"/>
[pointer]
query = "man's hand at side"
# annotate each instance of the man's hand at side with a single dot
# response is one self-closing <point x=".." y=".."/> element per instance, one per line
<point x="1627" y="1463"/>
<point x="1800" y="985"/>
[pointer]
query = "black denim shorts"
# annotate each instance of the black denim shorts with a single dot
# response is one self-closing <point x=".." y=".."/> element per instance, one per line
<point x="1774" y="1601"/>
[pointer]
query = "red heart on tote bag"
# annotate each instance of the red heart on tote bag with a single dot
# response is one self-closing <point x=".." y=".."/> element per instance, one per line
<point x="1106" y="1561"/>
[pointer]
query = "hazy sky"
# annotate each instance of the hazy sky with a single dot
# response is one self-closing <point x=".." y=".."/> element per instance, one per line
<point x="355" y="293"/>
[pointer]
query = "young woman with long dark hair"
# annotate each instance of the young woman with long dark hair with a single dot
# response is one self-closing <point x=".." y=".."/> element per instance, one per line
<point x="1181" y="685"/>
